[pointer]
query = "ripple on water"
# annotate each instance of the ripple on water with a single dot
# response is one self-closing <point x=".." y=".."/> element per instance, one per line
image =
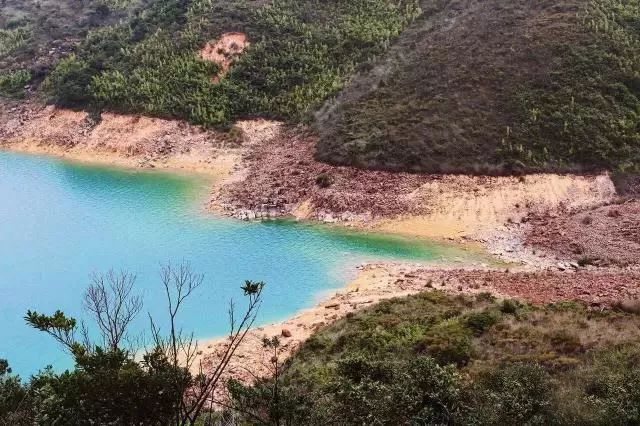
<point x="60" y="221"/>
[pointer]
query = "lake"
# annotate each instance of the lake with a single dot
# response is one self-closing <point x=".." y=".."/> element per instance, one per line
<point x="62" y="221"/>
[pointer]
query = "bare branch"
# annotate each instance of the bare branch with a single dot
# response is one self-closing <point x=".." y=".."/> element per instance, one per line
<point x="110" y="300"/>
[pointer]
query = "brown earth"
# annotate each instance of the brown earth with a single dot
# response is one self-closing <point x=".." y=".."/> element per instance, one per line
<point x="604" y="235"/>
<point x="224" y="51"/>
<point x="281" y="174"/>
<point x="282" y="178"/>
<point x="597" y="289"/>
<point x="123" y="140"/>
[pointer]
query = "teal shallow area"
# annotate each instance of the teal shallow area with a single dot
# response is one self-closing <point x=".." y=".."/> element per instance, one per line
<point x="61" y="221"/>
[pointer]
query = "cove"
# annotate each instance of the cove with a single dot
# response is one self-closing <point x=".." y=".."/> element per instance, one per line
<point x="62" y="221"/>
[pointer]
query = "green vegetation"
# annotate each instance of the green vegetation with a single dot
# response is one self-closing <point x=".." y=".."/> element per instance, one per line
<point x="12" y="39"/>
<point x="111" y="384"/>
<point x="12" y="83"/>
<point x="437" y="359"/>
<point x="300" y="54"/>
<point x="430" y="358"/>
<point x="590" y="106"/>
<point x="505" y="88"/>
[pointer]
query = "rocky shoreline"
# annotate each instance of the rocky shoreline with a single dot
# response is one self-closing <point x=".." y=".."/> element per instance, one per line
<point x="265" y="170"/>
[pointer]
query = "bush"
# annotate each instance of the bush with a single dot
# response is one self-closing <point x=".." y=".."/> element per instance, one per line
<point x="481" y="321"/>
<point x="12" y="83"/>
<point x="13" y="39"/>
<point x="323" y="180"/>
<point x="68" y="84"/>
<point x="421" y="392"/>
<point x="448" y="342"/>
<point x="513" y="394"/>
<point x="509" y="306"/>
<point x="15" y="401"/>
<point x="612" y="386"/>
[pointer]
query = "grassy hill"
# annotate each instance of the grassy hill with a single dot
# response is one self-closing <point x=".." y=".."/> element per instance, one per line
<point x="420" y="85"/>
<point x="497" y="86"/>
<point x="437" y="359"/>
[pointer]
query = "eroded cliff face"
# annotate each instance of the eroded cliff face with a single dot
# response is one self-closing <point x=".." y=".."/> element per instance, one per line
<point x="127" y="140"/>
<point x="265" y="169"/>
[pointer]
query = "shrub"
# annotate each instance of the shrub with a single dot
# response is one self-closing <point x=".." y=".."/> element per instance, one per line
<point x="448" y="342"/>
<point x="13" y="39"/>
<point x="12" y="83"/>
<point x="323" y="180"/>
<point x="513" y="394"/>
<point x="68" y="84"/>
<point x="481" y="321"/>
<point x="509" y="306"/>
<point x="612" y="385"/>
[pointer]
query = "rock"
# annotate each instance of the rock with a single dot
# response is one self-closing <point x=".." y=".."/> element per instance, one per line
<point x="285" y="333"/>
<point x="332" y="306"/>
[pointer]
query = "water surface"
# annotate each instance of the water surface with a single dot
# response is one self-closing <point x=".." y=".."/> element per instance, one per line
<point x="61" y="221"/>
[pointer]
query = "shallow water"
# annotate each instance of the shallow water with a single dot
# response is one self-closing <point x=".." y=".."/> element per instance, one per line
<point x="61" y="221"/>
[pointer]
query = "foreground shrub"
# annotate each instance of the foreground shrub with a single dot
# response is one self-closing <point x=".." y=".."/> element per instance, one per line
<point x="12" y="83"/>
<point x="513" y="394"/>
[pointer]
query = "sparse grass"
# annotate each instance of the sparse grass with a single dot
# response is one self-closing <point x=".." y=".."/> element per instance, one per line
<point x="460" y="100"/>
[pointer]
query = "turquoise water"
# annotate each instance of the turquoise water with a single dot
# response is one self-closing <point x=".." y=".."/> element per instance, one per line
<point x="60" y="222"/>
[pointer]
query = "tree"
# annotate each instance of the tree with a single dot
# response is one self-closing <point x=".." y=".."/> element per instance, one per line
<point x="109" y="298"/>
<point x="109" y="385"/>
<point x="196" y="393"/>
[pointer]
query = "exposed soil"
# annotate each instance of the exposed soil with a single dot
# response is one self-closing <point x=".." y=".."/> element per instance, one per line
<point x="224" y="51"/>
<point x="283" y="178"/>
<point x="597" y="289"/>
<point x="131" y="141"/>
<point x="282" y="175"/>
<point x="605" y="235"/>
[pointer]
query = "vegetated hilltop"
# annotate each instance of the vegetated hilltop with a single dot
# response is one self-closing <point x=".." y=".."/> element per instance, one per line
<point x="494" y="86"/>
<point x="300" y="53"/>
<point x="412" y="85"/>
<point x="34" y="35"/>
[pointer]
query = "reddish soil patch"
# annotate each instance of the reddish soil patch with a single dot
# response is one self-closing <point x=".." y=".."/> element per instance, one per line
<point x="595" y="288"/>
<point x="224" y="51"/>
<point x="283" y="172"/>
<point x="606" y="235"/>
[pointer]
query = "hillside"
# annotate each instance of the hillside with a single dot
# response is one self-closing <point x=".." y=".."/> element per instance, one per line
<point x="492" y="87"/>
<point x="430" y="86"/>
<point x="471" y="360"/>
<point x="35" y="35"/>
